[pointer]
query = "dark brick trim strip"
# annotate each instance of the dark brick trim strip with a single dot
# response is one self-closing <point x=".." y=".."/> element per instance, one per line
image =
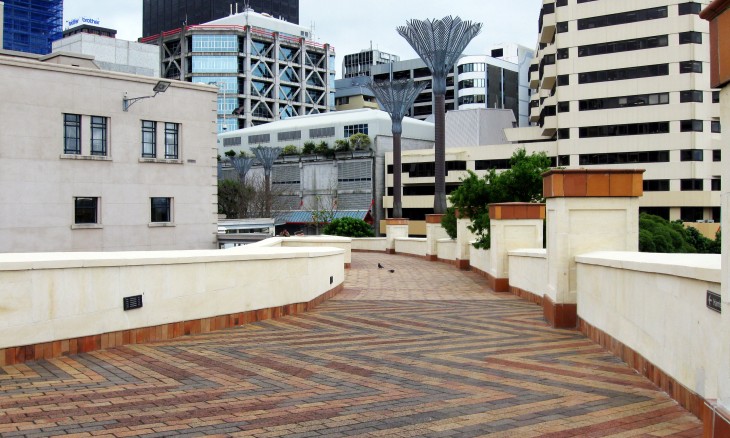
<point x="497" y="284"/>
<point x="564" y="316"/>
<point x="84" y="344"/>
<point x="715" y="420"/>
<point x="525" y="295"/>
<point x="368" y="250"/>
<point x="684" y="396"/>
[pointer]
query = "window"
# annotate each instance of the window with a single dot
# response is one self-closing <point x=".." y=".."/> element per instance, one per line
<point x="561" y="27"/>
<point x="563" y="53"/>
<point x="71" y="134"/>
<point x="559" y="3"/>
<point x="563" y="107"/>
<point x="689" y="8"/>
<point x="622" y="18"/>
<point x="149" y="139"/>
<point x="656" y="185"/>
<point x="623" y="101"/>
<point x="717" y="155"/>
<point x="351" y="130"/>
<point x="322" y="132"/>
<point x="161" y="210"/>
<point x="691" y="214"/>
<point x="715" y="126"/>
<point x="627" y="129"/>
<point x="259" y="138"/>
<point x="690" y="125"/>
<point x="690" y="67"/>
<point x="691" y="155"/>
<point x="620" y="74"/>
<point x="98" y="135"/>
<point x="624" y="45"/>
<point x="289" y="135"/>
<point x="715" y="97"/>
<point x="497" y="53"/>
<point x="86" y="210"/>
<point x="563" y="133"/>
<point x="171" y="141"/>
<point x="690" y="37"/>
<point x="690" y="96"/>
<point x="691" y="184"/>
<point x="716" y="184"/>
<point x="624" y="157"/>
<point x="563" y="80"/>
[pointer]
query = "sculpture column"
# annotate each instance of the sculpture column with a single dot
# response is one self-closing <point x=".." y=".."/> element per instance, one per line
<point x="512" y="225"/>
<point x="587" y="210"/>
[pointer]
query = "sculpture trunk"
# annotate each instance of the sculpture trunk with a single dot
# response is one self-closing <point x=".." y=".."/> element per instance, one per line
<point x="267" y="193"/>
<point x="439" y="198"/>
<point x="397" y="170"/>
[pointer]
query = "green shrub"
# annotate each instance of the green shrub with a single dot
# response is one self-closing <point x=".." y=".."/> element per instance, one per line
<point x="660" y="235"/>
<point x="349" y="227"/>
<point x="342" y="145"/>
<point x="448" y="222"/>
<point x="360" y="142"/>
<point x="309" y="147"/>
<point x="290" y="149"/>
<point x="230" y="153"/>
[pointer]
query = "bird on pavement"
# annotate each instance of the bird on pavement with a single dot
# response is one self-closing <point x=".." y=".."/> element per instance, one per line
<point x="391" y="270"/>
<point x="380" y="266"/>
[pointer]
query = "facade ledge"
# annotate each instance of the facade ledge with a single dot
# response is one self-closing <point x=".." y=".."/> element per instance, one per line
<point x="87" y="226"/>
<point x="85" y="157"/>
<point x="160" y="160"/>
<point x="161" y="224"/>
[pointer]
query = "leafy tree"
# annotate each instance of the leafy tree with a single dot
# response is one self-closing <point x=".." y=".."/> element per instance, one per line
<point x="246" y="200"/>
<point x="660" y="235"/>
<point x="324" y="149"/>
<point x="448" y="222"/>
<point x="230" y="153"/>
<point x="360" y="142"/>
<point x="309" y="147"/>
<point x="290" y="149"/>
<point x="522" y="182"/>
<point x="342" y="145"/>
<point x="349" y="227"/>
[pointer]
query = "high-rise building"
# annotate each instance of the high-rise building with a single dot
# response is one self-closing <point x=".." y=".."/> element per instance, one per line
<point x="31" y="25"/>
<point x="162" y="15"/>
<point x="359" y="64"/>
<point x="626" y="84"/>
<point x="265" y="69"/>
<point x="2" y="23"/>
<point x="477" y="81"/>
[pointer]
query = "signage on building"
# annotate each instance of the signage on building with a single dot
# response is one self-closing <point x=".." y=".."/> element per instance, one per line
<point x="83" y="20"/>
<point x="714" y="301"/>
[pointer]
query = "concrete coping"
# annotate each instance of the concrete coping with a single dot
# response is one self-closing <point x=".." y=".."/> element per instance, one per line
<point x="434" y="218"/>
<point x="411" y="239"/>
<point x="516" y="210"/>
<point x="585" y="183"/>
<point x="370" y="239"/>
<point x="539" y="253"/>
<point x="65" y="260"/>
<point x="703" y="267"/>
<point x="446" y="240"/>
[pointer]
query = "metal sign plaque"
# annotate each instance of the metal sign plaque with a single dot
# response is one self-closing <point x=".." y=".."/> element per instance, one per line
<point x="714" y="301"/>
<point x="134" y="302"/>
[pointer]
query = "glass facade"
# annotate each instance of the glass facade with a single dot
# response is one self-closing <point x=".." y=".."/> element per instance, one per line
<point x="224" y="84"/>
<point x="32" y="25"/>
<point x="215" y="64"/>
<point x="215" y="43"/>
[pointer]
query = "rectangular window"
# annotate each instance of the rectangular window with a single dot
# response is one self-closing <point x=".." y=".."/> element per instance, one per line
<point x="86" y="210"/>
<point x="624" y="157"/>
<point x="622" y="18"/>
<point x="623" y="101"/>
<point x="656" y="185"/>
<point x="690" y="126"/>
<point x="715" y="126"/>
<point x="690" y="67"/>
<point x="259" y="138"/>
<point x="563" y="80"/>
<point x="715" y="97"/>
<point x="289" y="135"/>
<point x="690" y="37"/>
<point x="563" y="53"/>
<point x="98" y="135"/>
<point x="351" y="130"/>
<point x="149" y="139"/>
<point x="624" y="45"/>
<point x="322" y="132"/>
<point x="561" y="27"/>
<point x="691" y="155"/>
<point x="71" y="134"/>
<point x="563" y="133"/>
<point x="621" y="130"/>
<point x="716" y="184"/>
<point x="619" y="74"/>
<point x="171" y="141"/>
<point x="161" y="210"/>
<point x="691" y="185"/>
<point x="689" y="8"/>
<point x="690" y="96"/>
<point x="560" y="3"/>
<point x="563" y="107"/>
<point x="716" y="155"/>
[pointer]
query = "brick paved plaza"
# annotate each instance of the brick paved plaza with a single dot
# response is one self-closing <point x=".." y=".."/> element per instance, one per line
<point x="424" y="351"/>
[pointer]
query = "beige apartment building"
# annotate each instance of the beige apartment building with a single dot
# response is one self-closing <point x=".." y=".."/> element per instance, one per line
<point x="615" y="84"/>
<point x="78" y="172"/>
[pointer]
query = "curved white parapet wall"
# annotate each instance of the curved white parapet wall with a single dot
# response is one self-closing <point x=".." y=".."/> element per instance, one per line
<point x="446" y="249"/>
<point x="655" y="304"/>
<point x="528" y="270"/>
<point x="47" y="297"/>
<point x="378" y="244"/>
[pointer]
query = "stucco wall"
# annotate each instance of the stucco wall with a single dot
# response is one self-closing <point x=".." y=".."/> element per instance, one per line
<point x="410" y="245"/>
<point x="447" y="249"/>
<point x="55" y="296"/>
<point x="369" y="244"/>
<point x="656" y="305"/>
<point x="479" y="258"/>
<point x="528" y="270"/>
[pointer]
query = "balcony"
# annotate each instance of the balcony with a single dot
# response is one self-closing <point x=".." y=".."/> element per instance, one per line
<point x="547" y="21"/>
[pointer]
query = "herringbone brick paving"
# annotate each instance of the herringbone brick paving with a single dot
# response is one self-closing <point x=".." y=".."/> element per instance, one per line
<point x="424" y="351"/>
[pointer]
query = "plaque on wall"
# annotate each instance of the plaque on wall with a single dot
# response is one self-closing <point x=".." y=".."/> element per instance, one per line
<point x="714" y="301"/>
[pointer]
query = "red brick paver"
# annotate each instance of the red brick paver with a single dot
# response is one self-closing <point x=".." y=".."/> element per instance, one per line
<point x="426" y="350"/>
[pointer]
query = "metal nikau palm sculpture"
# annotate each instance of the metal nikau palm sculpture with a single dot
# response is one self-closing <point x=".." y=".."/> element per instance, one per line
<point x="267" y="156"/>
<point x="395" y="97"/>
<point x="242" y="165"/>
<point x="439" y="43"/>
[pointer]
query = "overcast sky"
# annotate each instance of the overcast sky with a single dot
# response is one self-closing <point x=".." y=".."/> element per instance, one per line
<point x="351" y="25"/>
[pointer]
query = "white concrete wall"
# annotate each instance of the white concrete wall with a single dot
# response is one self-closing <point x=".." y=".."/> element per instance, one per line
<point x="369" y="244"/>
<point x="55" y="296"/>
<point x="447" y="249"/>
<point x="480" y="258"/>
<point x="411" y="245"/>
<point x="38" y="182"/>
<point x="724" y="380"/>
<point x="528" y="270"/>
<point x="114" y="54"/>
<point x="343" y="243"/>
<point x="656" y="305"/>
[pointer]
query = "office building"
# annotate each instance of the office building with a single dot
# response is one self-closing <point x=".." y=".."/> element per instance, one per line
<point x="32" y="25"/>
<point x="2" y="23"/>
<point x="626" y="85"/>
<point x="477" y="81"/>
<point x="359" y="64"/>
<point x="266" y="69"/>
<point x="94" y="177"/>
<point x="110" y="53"/>
<point x="353" y="93"/>
<point x="163" y="15"/>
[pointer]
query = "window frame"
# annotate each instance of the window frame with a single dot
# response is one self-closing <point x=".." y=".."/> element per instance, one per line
<point x="164" y="211"/>
<point x="79" y="210"/>
<point x="75" y="126"/>
<point x="172" y="141"/>
<point x="152" y="130"/>
<point x="99" y="125"/>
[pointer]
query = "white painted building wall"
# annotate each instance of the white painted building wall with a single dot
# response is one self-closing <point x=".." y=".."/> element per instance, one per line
<point x="114" y="54"/>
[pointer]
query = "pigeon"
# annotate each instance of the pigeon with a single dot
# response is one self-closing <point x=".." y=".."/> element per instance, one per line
<point x="380" y="266"/>
<point x="391" y="270"/>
